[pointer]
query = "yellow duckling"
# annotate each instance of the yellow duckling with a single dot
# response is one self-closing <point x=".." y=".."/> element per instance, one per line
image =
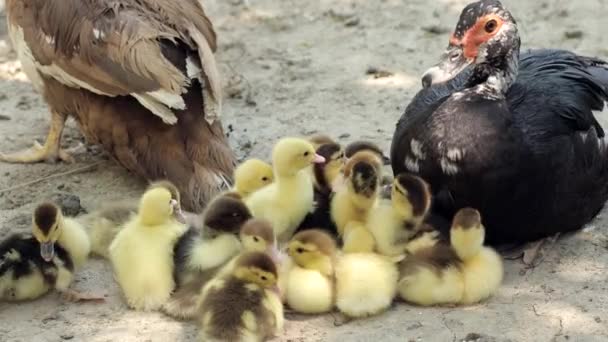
<point x="352" y="203"/>
<point x="251" y="176"/>
<point x="462" y="272"/>
<point x="393" y="222"/>
<point x="287" y="201"/>
<point x="103" y="224"/>
<point x="200" y="253"/>
<point x="366" y="284"/>
<point x="310" y="282"/>
<point x="31" y="265"/>
<point x="142" y="252"/>
<point x="243" y="305"/>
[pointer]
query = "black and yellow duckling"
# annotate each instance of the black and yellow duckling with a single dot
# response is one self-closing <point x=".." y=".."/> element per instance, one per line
<point x="103" y="224"/>
<point x="142" y="251"/>
<point x="33" y="264"/>
<point x="395" y="220"/>
<point x="200" y="253"/>
<point x="324" y="176"/>
<point x="310" y="284"/>
<point x="460" y="272"/>
<point x="352" y="202"/>
<point x="243" y="305"/>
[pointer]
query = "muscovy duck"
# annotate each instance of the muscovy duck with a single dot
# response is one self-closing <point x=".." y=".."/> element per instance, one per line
<point x="513" y="136"/>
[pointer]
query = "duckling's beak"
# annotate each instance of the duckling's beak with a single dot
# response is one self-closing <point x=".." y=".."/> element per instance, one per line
<point x="318" y="159"/>
<point x="177" y="212"/>
<point x="47" y="250"/>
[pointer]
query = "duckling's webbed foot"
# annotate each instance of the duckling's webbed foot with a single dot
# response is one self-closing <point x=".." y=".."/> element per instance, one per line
<point x="75" y="296"/>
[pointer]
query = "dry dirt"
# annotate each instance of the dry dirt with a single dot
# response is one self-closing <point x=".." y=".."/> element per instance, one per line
<point x="295" y="67"/>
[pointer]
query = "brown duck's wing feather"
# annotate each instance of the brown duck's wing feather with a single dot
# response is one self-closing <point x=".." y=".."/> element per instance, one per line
<point x="116" y="48"/>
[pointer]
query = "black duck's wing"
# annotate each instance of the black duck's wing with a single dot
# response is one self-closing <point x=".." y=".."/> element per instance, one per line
<point x="557" y="83"/>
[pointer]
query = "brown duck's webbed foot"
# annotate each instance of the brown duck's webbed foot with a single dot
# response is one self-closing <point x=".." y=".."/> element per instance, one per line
<point x="75" y="296"/>
<point x="49" y="152"/>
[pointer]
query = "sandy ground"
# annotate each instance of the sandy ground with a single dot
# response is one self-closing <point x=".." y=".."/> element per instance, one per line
<point x="297" y="67"/>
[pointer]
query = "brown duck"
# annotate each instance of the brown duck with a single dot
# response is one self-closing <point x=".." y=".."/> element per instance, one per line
<point x="139" y="77"/>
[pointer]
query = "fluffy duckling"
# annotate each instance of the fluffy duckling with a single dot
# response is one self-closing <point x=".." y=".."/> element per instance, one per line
<point x="142" y="252"/>
<point x="199" y="250"/>
<point x="287" y="201"/>
<point x="255" y="235"/>
<point x="324" y="175"/>
<point x="366" y="284"/>
<point x="252" y="175"/>
<point x="31" y="265"/>
<point x="461" y="272"/>
<point x="393" y="222"/>
<point x="353" y="201"/>
<point x="310" y="281"/>
<point x="243" y="305"/>
<point x="103" y="224"/>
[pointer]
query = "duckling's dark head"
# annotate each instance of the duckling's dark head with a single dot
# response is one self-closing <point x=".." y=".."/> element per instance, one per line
<point x="257" y="235"/>
<point x="411" y="196"/>
<point x="363" y="145"/>
<point x="46" y="228"/>
<point x="226" y="214"/>
<point x="175" y="195"/>
<point x="257" y="268"/>
<point x="486" y="36"/>
<point x="363" y="172"/>
<point x="326" y="172"/>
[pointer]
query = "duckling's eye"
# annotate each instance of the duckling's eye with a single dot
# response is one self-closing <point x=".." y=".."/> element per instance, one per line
<point x="300" y="250"/>
<point x="255" y="238"/>
<point x="263" y="278"/>
<point x="491" y="26"/>
<point x="264" y="179"/>
<point x="306" y="154"/>
<point x="235" y="215"/>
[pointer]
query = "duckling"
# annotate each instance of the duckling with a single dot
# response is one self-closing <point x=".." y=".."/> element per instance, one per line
<point x="460" y="272"/>
<point x="362" y="145"/>
<point x="142" y="252"/>
<point x="310" y="282"/>
<point x="482" y="266"/>
<point x="393" y="222"/>
<point x="33" y="264"/>
<point x="200" y="253"/>
<point x="324" y="174"/>
<point x="243" y="305"/>
<point x="366" y="284"/>
<point x="103" y="224"/>
<point x="360" y="193"/>
<point x="251" y="176"/>
<point x="287" y="201"/>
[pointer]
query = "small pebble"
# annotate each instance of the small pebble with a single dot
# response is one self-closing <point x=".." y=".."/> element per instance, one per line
<point x="352" y="22"/>
<point x="435" y="29"/>
<point x="67" y="336"/>
<point x="69" y="203"/>
<point x="574" y="34"/>
<point x="344" y="136"/>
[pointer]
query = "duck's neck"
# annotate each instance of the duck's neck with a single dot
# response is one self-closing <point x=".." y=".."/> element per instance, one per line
<point x="286" y="181"/>
<point x="324" y="265"/>
<point x="75" y="241"/>
<point x="496" y="76"/>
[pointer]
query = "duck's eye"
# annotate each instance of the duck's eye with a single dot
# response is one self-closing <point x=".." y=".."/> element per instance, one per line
<point x="491" y="26"/>
<point x="264" y="179"/>
<point x="255" y="238"/>
<point x="300" y="250"/>
<point x="263" y="278"/>
<point x="235" y="214"/>
<point x="306" y="154"/>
